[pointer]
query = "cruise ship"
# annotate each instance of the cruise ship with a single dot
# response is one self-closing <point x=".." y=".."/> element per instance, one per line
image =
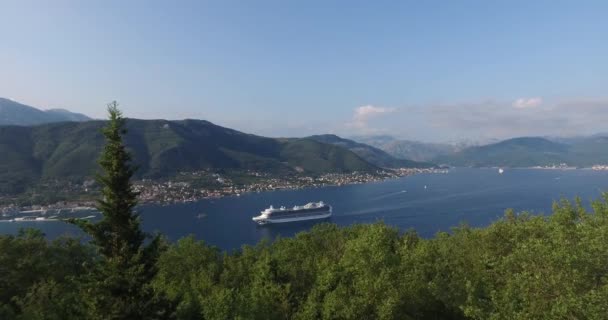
<point x="310" y="211"/>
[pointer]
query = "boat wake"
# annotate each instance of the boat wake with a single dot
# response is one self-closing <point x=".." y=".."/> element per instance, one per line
<point x="390" y="194"/>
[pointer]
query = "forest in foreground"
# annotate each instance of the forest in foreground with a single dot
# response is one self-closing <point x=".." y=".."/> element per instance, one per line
<point x="520" y="267"/>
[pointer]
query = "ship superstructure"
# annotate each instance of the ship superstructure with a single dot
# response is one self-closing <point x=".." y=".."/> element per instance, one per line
<point x="310" y="211"/>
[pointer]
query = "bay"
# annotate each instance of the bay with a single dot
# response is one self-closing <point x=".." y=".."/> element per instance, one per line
<point x="427" y="203"/>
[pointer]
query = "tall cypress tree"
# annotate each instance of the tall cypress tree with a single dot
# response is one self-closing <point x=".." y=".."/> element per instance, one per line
<point x="120" y="284"/>
<point x="118" y="234"/>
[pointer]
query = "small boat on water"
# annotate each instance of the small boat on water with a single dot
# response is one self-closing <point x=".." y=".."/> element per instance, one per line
<point x="310" y="211"/>
<point x="501" y="171"/>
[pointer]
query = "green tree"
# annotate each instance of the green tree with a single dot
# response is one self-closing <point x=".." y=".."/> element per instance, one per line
<point x="121" y="283"/>
<point x="32" y="270"/>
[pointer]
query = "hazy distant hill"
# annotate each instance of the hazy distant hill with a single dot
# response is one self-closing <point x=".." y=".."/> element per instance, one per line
<point x="161" y="148"/>
<point x="534" y="151"/>
<point x="518" y="152"/>
<point x="406" y="149"/>
<point x="68" y="115"/>
<point x="14" y="113"/>
<point x="371" y="154"/>
<point x="375" y="140"/>
<point x="589" y="151"/>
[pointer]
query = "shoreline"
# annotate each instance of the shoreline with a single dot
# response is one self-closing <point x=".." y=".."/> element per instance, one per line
<point x="376" y="179"/>
<point x="594" y="168"/>
<point x="292" y="183"/>
<point x="298" y="183"/>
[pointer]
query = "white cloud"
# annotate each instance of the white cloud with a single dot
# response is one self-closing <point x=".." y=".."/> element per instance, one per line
<point x="497" y="121"/>
<point x="364" y="114"/>
<point x="523" y="103"/>
<point x="483" y="120"/>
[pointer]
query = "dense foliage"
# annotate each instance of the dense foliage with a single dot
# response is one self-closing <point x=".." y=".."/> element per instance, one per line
<point x="521" y="267"/>
<point x="42" y="280"/>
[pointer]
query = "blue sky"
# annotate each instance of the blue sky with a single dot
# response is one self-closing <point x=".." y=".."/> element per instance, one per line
<point x="425" y="70"/>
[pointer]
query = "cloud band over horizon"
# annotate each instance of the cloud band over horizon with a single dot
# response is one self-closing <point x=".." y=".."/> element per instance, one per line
<point x="484" y="120"/>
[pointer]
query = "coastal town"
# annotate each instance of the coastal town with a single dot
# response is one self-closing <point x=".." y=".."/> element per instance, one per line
<point x="183" y="191"/>
<point x="194" y="186"/>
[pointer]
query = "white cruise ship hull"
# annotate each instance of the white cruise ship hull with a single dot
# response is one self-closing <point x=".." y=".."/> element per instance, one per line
<point x="294" y="219"/>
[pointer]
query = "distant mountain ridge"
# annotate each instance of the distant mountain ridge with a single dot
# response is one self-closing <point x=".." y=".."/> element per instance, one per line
<point x="15" y="113"/>
<point x="68" y="115"/>
<point x="369" y="153"/>
<point x="579" y="151"/>
<point x="407" y="149"/>
<point x="533" y="151"/>
<point x="160" y="148"/>
<point x="516" y="152"/>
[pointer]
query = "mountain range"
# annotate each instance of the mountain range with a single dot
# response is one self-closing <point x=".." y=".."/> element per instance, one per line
<point x="407" y="149"/>
<point x="68" y="148"/>
<point x="533" y="151"/>
<point x="371" y="154"/>
<point x="160" y="148"/>
<point x="60" y="145"/>
<point x="581" y="151"/>
<point x="15" y="113"/>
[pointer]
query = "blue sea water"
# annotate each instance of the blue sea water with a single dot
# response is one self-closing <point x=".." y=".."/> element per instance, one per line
<point x="475" y="196"/>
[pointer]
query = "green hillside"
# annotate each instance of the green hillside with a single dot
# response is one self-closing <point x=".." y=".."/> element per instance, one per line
<point x="371" y="154"/>
<point x="161" y="148"/>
